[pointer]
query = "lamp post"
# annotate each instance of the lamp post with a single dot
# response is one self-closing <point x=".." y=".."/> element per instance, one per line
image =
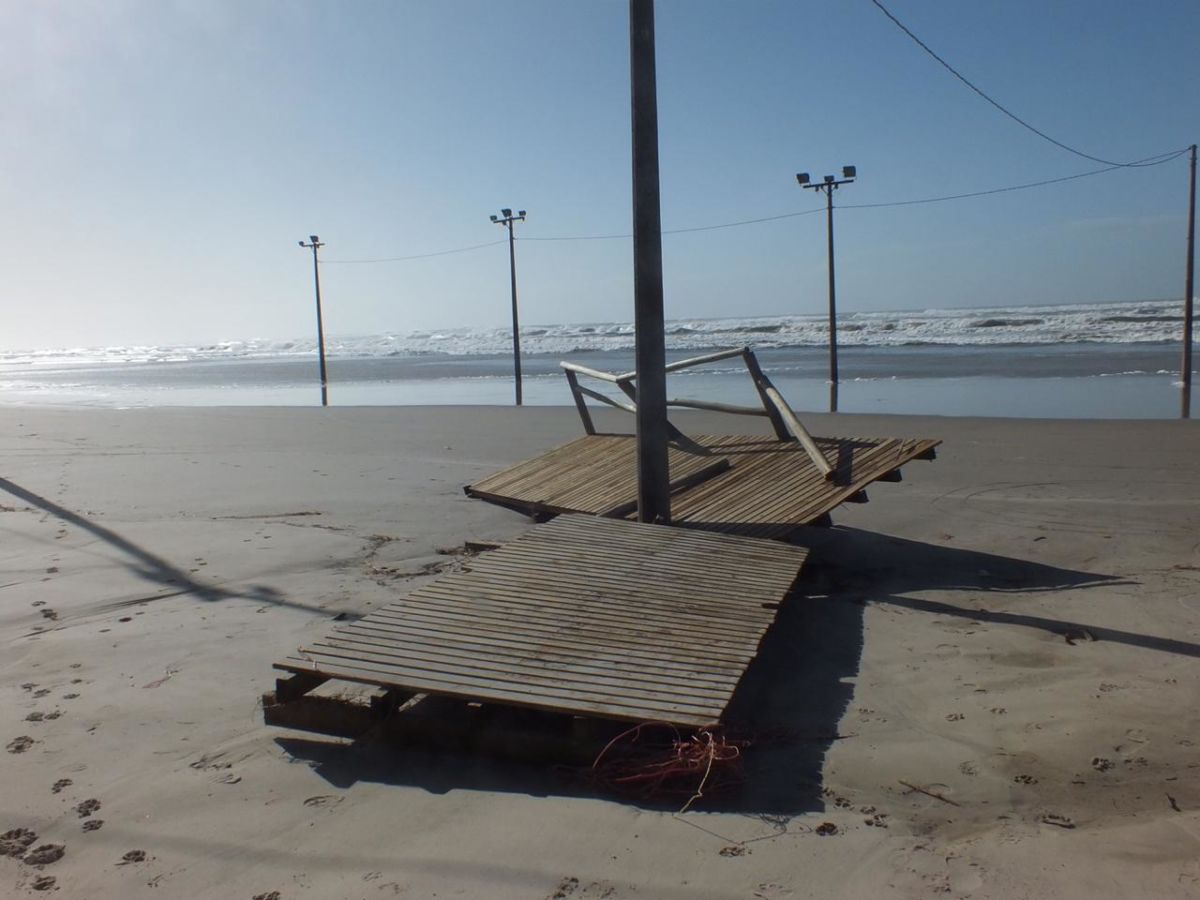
<point x="827" y="186"/>
<point x="1185" y="369"/>
<point x="654" y="480"/>
<point x="507" y="218"/>
<point x="315" y="245"/>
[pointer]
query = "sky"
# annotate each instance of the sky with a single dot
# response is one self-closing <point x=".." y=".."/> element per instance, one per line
<point x="160" y="160"/>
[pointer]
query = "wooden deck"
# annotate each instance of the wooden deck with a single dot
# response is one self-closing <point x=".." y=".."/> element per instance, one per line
<point x="551" y="483"/>
<point x="583" y="615"/>
<point x="736" y="484"/>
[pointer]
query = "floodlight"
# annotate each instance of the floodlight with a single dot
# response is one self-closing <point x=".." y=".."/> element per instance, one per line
<point x="828" y="179"/>
<point x="494" y="219"/>
<point x="521" y="213"/>
<point x="301" y="243"/>
<point x="802" y="178"/>
<point x="849" y="171"/>
<point x="314" y="239"/>
<point x="506" y="212"/>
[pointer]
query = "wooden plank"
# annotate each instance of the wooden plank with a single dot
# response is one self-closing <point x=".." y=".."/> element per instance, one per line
<point x="798" y="430"/>
<point x="688" y="363"/>
<point x="585" y="414"/>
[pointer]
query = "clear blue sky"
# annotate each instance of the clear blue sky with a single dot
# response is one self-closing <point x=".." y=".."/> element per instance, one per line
<point x="159" y="159"/>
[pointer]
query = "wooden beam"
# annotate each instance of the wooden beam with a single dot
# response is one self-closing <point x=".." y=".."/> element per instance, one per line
<point x="580" y="404"/>
<point x="800" y="432"/>
<point x="604" y="398"/>
<point x="719" y="407"/>
<point x="693" y="361"/>
<point x="299" y="684"/>
<point x="591" y="373"/>
<point x="761" y="383"/>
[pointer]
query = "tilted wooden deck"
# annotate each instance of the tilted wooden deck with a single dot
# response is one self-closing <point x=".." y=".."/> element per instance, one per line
<point x="551" y="482"/>
<point x="736" y="484"/>
<point x="582" y="615"/>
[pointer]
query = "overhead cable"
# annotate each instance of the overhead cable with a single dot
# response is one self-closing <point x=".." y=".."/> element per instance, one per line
<point x="953" y="71"/>
<point x="383" y="259"/>
<point x="1149" y="161"/>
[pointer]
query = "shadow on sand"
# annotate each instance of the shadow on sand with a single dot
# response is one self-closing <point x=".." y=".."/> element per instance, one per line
<point x="150" y="567"/>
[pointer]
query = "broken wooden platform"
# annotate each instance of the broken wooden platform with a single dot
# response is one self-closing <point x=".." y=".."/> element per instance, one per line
<point x="737" y="484"/>
<point x="583" y="615"/>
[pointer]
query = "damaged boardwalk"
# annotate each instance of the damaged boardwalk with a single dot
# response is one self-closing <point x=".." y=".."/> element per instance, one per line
<point x="583" y="615"/>
<point x="738" y="484"/>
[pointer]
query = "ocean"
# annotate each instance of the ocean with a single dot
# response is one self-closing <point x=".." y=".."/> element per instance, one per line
<point x="1110" y="360"/>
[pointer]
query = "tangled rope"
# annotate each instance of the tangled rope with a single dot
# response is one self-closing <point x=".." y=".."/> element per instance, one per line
<point x="663" y="763"/>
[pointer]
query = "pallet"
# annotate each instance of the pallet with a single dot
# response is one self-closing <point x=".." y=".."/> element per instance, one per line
<point x="584" y="615"/>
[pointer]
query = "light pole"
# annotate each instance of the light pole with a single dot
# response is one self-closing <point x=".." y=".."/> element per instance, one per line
<point x="827" y="186"/>
<point x="507" y="218"/>
<point x="315" y="245"/>
<point x="654" y="479"/>
<point x="1185" y="370"/>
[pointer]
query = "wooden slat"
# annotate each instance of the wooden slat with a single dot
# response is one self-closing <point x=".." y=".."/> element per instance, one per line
<point x="582" y="615"/>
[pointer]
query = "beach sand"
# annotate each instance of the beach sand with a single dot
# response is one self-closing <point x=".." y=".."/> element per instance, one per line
<point x="1014" y="630"/>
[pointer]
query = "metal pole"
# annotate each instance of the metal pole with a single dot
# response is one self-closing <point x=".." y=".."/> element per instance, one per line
<point x="1185" y="370"/>
<point x="320" y="325"/>
<point x="833" y="348"/>
<point x="654" y="496"/>
<point x="512" y="267"/>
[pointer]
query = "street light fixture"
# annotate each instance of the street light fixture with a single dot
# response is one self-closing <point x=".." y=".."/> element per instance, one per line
<point x="827" y="186"/>
<point x="507" y="221"/>
<point x="316" y="245"/>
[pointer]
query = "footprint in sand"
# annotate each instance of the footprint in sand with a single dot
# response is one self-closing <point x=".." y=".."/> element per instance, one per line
<point x="326" y="800"/>
<point x="16" y="841"/>
<point x="20" y="744"/>
<point x="45" y="855"/>
<point x="1025" y="779"/>
<point x="87" y="807"/>
<point x="58" y="786"/>
<point x="269" y="895"/>
<point x="93" y="824"/>
<point x="133" y="856"/>
<point x="44" y="883"/>
<point x="50" y="614"/>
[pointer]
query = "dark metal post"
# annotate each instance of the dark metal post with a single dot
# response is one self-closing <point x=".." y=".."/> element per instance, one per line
<point x="320" y="325"/>
<point x="506" y="218"/>
<point x="833" y="347"/>
<point x="827" y="186"/>
<point x="1185" y="370"/>
<point x="654" y="495"/>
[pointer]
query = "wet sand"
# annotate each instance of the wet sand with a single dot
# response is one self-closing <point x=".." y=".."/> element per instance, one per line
<point x="989" y="691"/>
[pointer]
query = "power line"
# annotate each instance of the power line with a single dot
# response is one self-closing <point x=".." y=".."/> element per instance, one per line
<point x="953" y="71"/>
<point x="1149" y="161"/>
<point x="382" y="259"/>
<point x="1002" y="190"/>
<point x="608" y="237"/>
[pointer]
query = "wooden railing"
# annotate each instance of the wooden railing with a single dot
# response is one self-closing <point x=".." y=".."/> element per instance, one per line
<point x="784" y="421"/>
